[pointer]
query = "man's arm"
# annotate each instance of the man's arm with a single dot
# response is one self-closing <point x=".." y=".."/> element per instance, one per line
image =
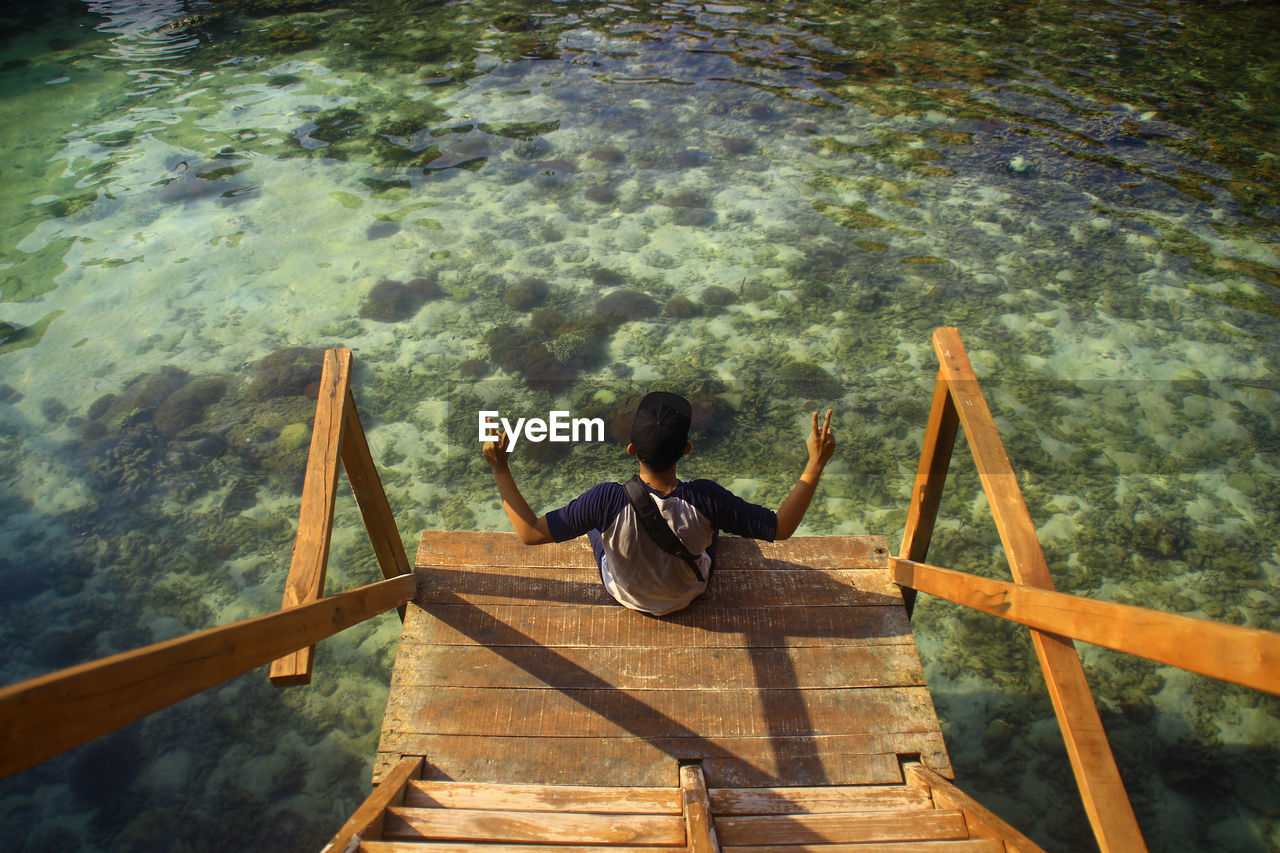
<point x="531" y="529"/>
<point x="821" y="445"/>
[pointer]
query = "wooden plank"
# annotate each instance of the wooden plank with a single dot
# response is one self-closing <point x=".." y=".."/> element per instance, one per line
<point x="315" y="519"/>
<point x="1102" y="791"/>
<point x="55" y="712"/>
<point x="518" y="827"/>
<point x="728" y="588"/>
<point x="851" y="798"/>
<point x="1013" y="521"/>
<point x="931" y="477"/>
<point x="726" y="762"/>
<point x="931" y="473"/>
<point x="842" y="828"/>
<point x="693" y="627"/>
<point x="981" y="821"/>
<point x="542" y="798"/>
<point x="972" y="845"/>
<point x="463" y="847"/>
<point x="366" y="821"/>
<point x="366" y="485"/>
<point x="453" y="549"/>
<point x="1245" y="656"/>
<point x="700" y="835"/>
<point x="896" y="665"/>
<point x="661" y="713"/>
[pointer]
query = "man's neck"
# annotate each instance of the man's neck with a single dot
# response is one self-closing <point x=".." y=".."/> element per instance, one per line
<point x="661" y="482"/>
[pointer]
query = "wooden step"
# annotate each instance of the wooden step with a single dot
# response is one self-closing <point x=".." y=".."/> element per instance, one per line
<point x="406" y="823"/>
<point x="828" y="799"/>
<point x="859" y="828"/>
<point x="452" y="847"/>
<point x="542" y="798"/>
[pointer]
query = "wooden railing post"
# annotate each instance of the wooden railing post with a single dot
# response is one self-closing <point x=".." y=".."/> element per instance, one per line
<point x="931" y="476"/>
<point x="1107" y="805"/>
<point x="388" y="547"/>
<point x="315" y="519"/>
<point x="337" y="436"/>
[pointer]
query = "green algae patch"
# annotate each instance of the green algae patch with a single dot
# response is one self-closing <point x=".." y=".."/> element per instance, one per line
<point x="28" y="336"/>
<point x="923" y="259"/>
<point x="856" y="217"/>
<point x="348" y="200"/>
<point x="1238" y="297"/>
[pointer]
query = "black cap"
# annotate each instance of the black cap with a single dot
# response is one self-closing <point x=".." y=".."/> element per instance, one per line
<point x="661" y="429"/>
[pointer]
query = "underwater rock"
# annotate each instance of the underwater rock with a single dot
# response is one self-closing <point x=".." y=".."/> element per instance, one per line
<point x="806" y="379"/>
<point x="528" y="149"/>
<point x="526" y="293"/>
<point x="474" y="368"/>
<point x="53" y="409"/>
<point x="391" y="302"/>
<point x="682" y="307"/>
<point x="382" y="228"/>
<point x="7" y="391"/>
<point x="291" y="37"/>
<point x="761" y="112"/>
<point x="546" y="322"/>
<point x="242" y="495"/>
<point x="286" y="372"/>
<point x="622" y="306"/>
<point x="554" y="168"/>
<point x="685" y="199"/>
<point x="608" y="154"/>
<point x="99" y="407"/>
<point x="7" y="330"/>
<point x="604" y="277"/>
<point x="513" y="22"/>
<point x="756" y="291"/>
<point x="186" y="406"/>
<point x="550" y="235"/>
<point x="149" y="391"/>
<point x="695" y="217"/>
<point x="688" y="158"/>
<point x="523" y="353"/>
<point x="104" y="769"/>
<point x="738" y="145"/>
<point x="717" y="296"/>
<point x="600" y="194"/>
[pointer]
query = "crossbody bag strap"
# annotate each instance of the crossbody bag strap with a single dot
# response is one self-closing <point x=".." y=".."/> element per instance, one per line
<point x="657" y="527"/>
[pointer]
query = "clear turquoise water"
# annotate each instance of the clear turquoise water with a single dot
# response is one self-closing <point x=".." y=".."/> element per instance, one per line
<point x="788" y="199"/>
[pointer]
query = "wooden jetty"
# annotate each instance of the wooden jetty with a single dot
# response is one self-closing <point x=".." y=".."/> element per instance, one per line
<point x="785" y="709"/>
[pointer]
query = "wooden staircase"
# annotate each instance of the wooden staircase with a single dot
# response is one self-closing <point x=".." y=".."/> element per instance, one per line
<point x="925" y="813"/>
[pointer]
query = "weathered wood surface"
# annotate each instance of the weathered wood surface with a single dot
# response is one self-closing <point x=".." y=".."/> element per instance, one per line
<point x="1246" y="656"/>
<point x="564" y="828"/>
<point x="700" y="834"/>
<point x="1101" y="789"/>
<point x="366" y="485"/>
<point x="788" y="673"/>
<point x="44" y="716"/>
<point x="860" y="798"/>
<point x="924" y="825"/>
<point x="366" y="821"/>
<point x="310" y="562"/>
<point x="542" y="798"/>
<point x="483" y="847"/>
<point x="981" y="820"/>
